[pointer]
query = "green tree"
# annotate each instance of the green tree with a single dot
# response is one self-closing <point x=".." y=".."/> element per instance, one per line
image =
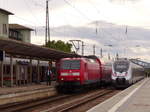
<point x="59" y="45"/>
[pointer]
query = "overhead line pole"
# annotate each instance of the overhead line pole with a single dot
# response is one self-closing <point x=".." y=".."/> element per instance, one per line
<point x="93" y="49"/>
<point x="47" y="29"/>
<point x="101" y="53"/>
<point x="83" y="48"/>
<point x="48" y="25"/>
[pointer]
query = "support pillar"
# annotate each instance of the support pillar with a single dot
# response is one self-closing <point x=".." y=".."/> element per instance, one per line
<point x="38" y="71"/>
<point x="1" y="72"/>
<point x="26" y="75"/>
<point x="30" y="74"/>
<point x="11" y="71"/>
<point x="17" y="73"/>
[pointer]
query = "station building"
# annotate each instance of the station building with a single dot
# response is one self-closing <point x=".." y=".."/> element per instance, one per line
<point x="13" y="31"/>
<point x="24" y="63"/>
<point x="18" y="68"/>
<point x="4" y="25"/>
<point x="20" y="32"/>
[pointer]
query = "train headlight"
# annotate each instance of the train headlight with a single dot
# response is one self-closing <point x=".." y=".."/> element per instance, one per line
<point x="64" y="74"/>
<point x="76" y="74"/>
<point x="78" y="78"/>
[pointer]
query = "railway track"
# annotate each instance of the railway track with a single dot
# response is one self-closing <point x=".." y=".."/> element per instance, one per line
<point x="78" y="102"/>
<point x="59" y="103"/>
<point x="21" y="106"/>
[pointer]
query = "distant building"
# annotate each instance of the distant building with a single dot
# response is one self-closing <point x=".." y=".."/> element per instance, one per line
<point x="19" y="32"/>
<point x="4" y="17"/>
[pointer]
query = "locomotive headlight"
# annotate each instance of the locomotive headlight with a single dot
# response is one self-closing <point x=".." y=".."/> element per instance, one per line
<point x="78" y="78"/>
<point x="64" y="74"/>
<point x="76" y="74"/>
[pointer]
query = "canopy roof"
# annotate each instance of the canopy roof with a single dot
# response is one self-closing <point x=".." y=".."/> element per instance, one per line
<point x="19" y="27"/>
<point x="6" y="12"/>
<point x="27" y="50"/>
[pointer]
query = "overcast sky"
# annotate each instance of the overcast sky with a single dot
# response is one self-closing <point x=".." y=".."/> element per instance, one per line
<point x="76" y="19"/>
<point x="79" y="12"/>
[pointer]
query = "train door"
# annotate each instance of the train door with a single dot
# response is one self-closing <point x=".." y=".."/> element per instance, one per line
<point x="6" y="76"/>
<point x="21" y="74"/>
<point x="34" y="74"/>
<point x="86" y="72"/>
<point x="43" y="74"/>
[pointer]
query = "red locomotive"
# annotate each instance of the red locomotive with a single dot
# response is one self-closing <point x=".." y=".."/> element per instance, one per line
<point x="80" y="72"/>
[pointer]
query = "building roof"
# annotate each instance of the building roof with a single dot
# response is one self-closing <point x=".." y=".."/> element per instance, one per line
<point x="6" y="12"/>
<point x="19" y="27"/>
<point x="26" y="50"/>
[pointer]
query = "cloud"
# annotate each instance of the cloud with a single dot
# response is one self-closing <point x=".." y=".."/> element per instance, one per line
<point x="32" y="12"/>
<point x="124" y="1"/>
<point x="134" y="43"/>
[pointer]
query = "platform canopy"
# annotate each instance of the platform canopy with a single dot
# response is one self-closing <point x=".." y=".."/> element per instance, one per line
<point x="27" y="50"/>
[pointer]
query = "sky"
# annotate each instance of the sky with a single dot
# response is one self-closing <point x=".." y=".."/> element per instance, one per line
<point x="96" y="22"/>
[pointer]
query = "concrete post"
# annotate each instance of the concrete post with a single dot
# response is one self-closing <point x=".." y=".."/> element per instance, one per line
<point x="11" y="70"/>
<point x="26" y="75"/>
<point x="30" y="74"/>
<point x="1" y="72"/>
<point x="38" y="71"/>
<point x="17" y="73"/>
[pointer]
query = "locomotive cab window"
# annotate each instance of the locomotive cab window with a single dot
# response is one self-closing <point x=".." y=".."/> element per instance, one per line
<point x="70" y="64"/>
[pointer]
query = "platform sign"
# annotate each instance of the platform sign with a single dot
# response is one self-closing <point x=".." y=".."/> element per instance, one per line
<point x="2" y="55"/>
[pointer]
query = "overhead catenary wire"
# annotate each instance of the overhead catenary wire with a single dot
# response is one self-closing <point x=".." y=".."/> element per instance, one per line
<point x="97" y="23"/>
<point x="38" y="4"/>
<point x="76" y="9"/>
<point x="31" y="12"/>
<point x="98" y="11"/>
<point x="68" y="4"/>
<point x="83" y="15"/>
<point x="89" y="20"/>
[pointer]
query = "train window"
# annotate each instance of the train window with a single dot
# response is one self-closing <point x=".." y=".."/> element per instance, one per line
<point x="121" y="66"/>
<point x="70" y="64"/>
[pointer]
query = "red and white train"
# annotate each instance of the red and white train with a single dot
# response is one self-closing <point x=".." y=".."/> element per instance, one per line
<point x="79" y="72"/>
<point x="125" y="73"/>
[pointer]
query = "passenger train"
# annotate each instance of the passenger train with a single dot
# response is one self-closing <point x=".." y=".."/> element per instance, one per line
<point x="82" y="72"/>
<point x="21" y="71"/>
<point x="125" y="73"/>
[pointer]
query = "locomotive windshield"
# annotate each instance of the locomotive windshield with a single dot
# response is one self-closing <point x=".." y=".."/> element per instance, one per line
<point x="121" y="66"/>
<point x="70" y="64"/>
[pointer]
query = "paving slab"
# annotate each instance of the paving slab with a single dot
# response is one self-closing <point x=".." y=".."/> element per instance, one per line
<point x="128" y="100"/>
<point x="26" y="92"/>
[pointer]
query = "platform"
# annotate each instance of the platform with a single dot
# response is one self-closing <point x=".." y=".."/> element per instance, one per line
<point x="133" y="99"/>
<point x="26" y="92"/>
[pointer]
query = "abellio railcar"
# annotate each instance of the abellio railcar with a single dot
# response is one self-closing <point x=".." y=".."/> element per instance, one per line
<point x="79" y="72"/>
<point x="125" y="73"/>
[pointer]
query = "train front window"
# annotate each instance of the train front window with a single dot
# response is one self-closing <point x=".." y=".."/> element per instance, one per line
<point x="70" y="64"/>
<point x="121" y="66"/>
